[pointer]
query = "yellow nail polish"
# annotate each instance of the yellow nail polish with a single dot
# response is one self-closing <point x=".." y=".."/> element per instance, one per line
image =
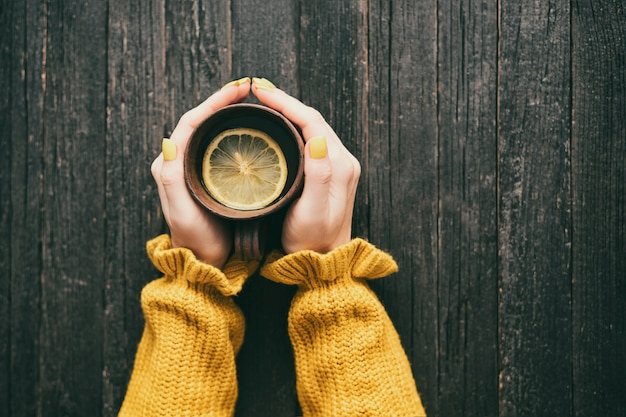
<point x="317" y="147"/>
<point x="233" y="83"/>
<point x="237" y="83"/>
<point x="169" y="149"/>
<point x="263" y="84"/>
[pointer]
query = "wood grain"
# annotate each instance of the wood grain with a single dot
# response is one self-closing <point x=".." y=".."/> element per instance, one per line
<point x="599" y="197"/>
<point x="333" y="70"/>
<point x="73" y="202"/>
<point x="136" y="108"/>
<point x="467" y="228"/>
<point x="491" y="136"/>
<point x="403" y="175"/>
<point x="265" y="38"/>
<point x="535" y="230"/>
<point x="19" y="212"/>
<point x="24" y="124"/>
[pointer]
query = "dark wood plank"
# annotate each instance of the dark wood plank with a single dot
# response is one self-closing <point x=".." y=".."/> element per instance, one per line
<point x="534" y="209"/>
<point x="25" y="130"/>
<point x="197" y="48"/>
<point x="333" y="73"/>
<point x="599" y="191"/>
<point x="264" y="44"/>
<point x="402" y="175"/>
<point x="136" y="108"/>
<point x="12" y="23"/>
<point x="70" y="373"/>
<point x="468" y="250"/>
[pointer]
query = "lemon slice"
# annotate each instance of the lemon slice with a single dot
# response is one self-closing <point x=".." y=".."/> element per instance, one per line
<point x="244" y="169"/>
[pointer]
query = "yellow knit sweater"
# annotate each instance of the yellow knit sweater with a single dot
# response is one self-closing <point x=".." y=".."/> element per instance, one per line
<point x="349" y="361"/>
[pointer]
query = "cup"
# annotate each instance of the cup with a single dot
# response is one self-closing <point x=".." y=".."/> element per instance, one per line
<point x="250" y="226"/>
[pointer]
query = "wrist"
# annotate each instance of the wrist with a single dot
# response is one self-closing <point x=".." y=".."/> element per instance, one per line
<point x="321" y="246"/>
<point x="211" y="254"/>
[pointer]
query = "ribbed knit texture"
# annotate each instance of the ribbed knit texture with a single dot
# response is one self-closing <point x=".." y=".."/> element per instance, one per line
<point x="349" y="359"/>
<point x="185" y="362"/>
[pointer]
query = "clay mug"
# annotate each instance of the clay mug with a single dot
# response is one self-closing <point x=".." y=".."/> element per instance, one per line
<point x="249" y="226"/>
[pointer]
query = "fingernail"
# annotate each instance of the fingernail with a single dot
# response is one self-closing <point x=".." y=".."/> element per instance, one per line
<point x="237" y="83"/>
<point x="317" y="147"/>
<point x="263" y="84"/>
<point x="169" y="149"/>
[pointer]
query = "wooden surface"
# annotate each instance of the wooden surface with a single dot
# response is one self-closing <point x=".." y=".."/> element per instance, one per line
<point x="534" y="215"/>
<point x="492" y="137"/>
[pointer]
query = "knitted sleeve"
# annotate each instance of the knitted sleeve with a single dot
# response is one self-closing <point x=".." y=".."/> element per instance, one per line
<point x="349" y="360"/>
<point x="185" y="362"/>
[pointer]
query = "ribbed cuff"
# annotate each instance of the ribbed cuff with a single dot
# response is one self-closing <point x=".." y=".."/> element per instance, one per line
<point x="182" y="263"/>
<point x="356" y="259"/>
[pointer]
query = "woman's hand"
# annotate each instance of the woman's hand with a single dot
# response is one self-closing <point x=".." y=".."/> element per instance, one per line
<point x="321" y="219"/>
<point x="191" y="226"/>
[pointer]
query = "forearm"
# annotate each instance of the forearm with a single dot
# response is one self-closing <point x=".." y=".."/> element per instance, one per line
<point x="185" y="363"/>
<point x="349" y="359"/>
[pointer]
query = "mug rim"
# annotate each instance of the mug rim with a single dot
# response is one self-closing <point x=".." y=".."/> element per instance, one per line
<point x="195" y="183"/>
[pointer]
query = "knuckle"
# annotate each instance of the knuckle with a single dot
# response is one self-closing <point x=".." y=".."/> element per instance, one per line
<point x="315" y="115"/>
<point x="186" y="118"/>
<point x="350" y="170"/>
<point x="356" y="168"/>
<point x="154" y="169"/>
<point x="169" y="176"/>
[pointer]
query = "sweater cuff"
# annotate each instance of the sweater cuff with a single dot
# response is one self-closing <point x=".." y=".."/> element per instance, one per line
<point x="182" y="263"/>
<point x="356" y="259"/>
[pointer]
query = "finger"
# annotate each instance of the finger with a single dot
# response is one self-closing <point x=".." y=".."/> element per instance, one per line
<point x="231" y="93"/>
<point x="171" y="179"/>
<point x="309" y="120"/>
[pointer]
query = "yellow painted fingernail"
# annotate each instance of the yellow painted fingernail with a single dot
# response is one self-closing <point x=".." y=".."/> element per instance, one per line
<point x="317" y="147"/>
<point x="169" y="149"/>
<point x="263" y="84"/>
<point x="237" y="83"/>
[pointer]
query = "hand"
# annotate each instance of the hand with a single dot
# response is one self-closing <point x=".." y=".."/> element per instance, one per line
<point x="192" y="226"/>
<point x="321" y="219"/>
